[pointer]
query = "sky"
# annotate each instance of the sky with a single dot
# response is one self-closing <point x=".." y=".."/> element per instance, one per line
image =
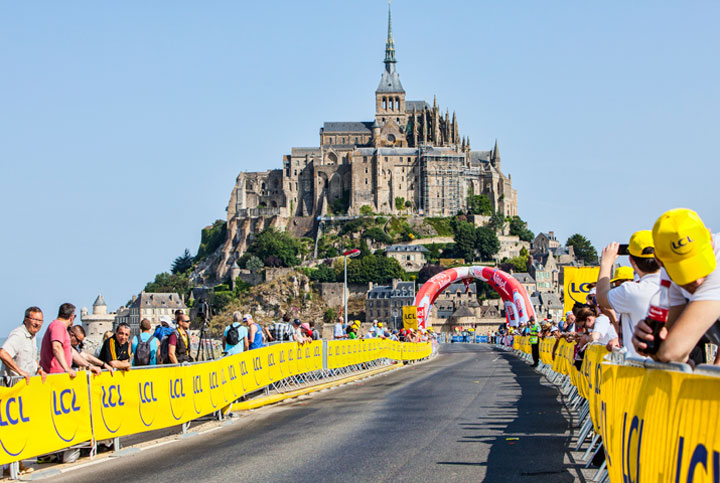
<point x="124" y="124"/>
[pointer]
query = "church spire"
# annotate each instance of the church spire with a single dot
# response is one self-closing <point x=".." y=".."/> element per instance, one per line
<point x="390" y="45"/>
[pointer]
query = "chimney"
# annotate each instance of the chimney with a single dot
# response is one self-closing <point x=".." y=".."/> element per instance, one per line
<point x="370" y="286"/>
<point x="394" y="283"/>
<point x="134" y="298"/>
<point x="552" y="235"/>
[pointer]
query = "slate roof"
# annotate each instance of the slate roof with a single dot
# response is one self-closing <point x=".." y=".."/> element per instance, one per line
<point x="354" y="127"/>
<point x="477" y="157"/>
<point x="460" y="287"/>
<point x="406" y="248"/>
<point x="523" y="277"/>
<point x="390" y="82"/>
<point x="418" y="106"/>
<point x="158" y="300"/>
<point x="404" y="289"/>
<point x="387" y="151"/>
<point x="463" y="311"/>
<point x="99" y="301"/>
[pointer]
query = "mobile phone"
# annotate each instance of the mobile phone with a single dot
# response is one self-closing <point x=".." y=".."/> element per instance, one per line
<point x="623" y="249"/>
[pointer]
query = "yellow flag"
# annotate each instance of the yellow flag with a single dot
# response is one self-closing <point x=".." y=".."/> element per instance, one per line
<point x="575" y="287"/>
<point x="410" y="317"/>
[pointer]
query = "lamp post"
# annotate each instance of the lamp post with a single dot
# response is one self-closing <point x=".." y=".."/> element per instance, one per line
<point x="350" y="253"/>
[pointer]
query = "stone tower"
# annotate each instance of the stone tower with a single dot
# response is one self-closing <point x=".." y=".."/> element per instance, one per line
<point x="390" y="112"/>
<point x="97" y="323"/>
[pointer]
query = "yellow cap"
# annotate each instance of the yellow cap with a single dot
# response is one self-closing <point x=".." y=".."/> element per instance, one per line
<point x="380" y="324"/>
<point x="684" y="245"/>
<point x="623" y="273"/>
<point x="639" y="241"/>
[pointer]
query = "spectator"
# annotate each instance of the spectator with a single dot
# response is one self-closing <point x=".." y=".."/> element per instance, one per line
<point x="569" y="322"/>
<point x="81" y="359"/>
<point x="19" y="352"/>
<point x="687" y="252"/>
<point x="306" y="331"/>
<point x="166" y="327"/>
<point x="394" y="335"/>
<point x="268" y="335"/>
<point x="315" y="334"/>
<point x="629" y="300"/>
<point x="145" y="346"/>
<point x="179" y="342"/>
<point x="116" y="350"/>
<point x="106" y="336"/>
<point x="255" y="337"/>
<point x="352" y="331"/>
<point x="56" y="351"/>
<point x="283" y="331"/>
<point x="339" y="329"/>
<point x="237" y="340"/>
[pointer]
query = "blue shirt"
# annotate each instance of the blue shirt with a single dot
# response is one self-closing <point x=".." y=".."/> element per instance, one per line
<point x="144" y="336"/>
<point x="242" y="334"/>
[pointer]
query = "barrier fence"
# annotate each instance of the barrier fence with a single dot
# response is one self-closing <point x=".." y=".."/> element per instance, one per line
<point x="654" y="421"/>
<point x="44" y="417"/>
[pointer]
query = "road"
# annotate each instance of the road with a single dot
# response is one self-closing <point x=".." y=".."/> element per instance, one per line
<point x="473" y="413"/>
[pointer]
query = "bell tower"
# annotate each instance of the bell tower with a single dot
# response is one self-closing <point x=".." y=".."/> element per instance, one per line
<point x="390" y="95"/>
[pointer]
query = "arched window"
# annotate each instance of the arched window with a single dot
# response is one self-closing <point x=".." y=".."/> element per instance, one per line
<point x="384" y="103"/>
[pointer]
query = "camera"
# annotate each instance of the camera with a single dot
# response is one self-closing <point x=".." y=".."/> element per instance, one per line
<point x="623" y="249"/>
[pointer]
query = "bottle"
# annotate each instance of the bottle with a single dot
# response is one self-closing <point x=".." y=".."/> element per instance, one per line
<point x="657" y="315"/>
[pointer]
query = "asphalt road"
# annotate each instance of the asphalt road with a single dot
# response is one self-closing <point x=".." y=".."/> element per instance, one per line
<point x="473" y="413"/>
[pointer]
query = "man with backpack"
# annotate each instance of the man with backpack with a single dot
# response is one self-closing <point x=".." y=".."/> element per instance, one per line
<point x="145" y="346"/>
<point x="235" y="337"/>
<point x="178" y="343"/>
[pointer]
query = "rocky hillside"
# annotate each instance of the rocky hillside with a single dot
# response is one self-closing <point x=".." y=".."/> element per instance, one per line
<point x="268" y="301"/>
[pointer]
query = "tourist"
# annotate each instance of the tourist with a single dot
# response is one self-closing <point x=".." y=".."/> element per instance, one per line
<point x="19" y="352"/>
<point x="315" y="334"/>
<point x="56" y="351"/>
<point x="256" y="339"/>
<point x="178" y="343"/>
<point x="629" y="300"/>
<point x="116" y="351"/>
<point x="237" y="340"/>
<point x="687" y="253"/>
<point x="166" y="327"/>
<point x="145" y="346"/>
<point x="339" y="329"/>
<point x="80" y="358"/>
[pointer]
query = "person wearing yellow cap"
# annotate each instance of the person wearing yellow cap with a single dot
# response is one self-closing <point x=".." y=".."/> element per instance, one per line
<point x="688" y="253"/>
<point x="630" y="300"/>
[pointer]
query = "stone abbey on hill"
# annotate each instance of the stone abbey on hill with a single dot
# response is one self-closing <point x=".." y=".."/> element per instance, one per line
<point x="410" y="150"/>
<point x="409" y="159"/>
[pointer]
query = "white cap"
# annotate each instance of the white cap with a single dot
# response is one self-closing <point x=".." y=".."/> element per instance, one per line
<point x="164" y="319"/>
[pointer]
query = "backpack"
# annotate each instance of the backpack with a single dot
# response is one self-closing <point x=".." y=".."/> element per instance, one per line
<point x="164" y="349"/>
<point x="233" y="336"/>
<point x="142" y="352"/>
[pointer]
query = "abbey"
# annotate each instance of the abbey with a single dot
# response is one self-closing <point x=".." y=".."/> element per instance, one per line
<point x="409" y="158"/>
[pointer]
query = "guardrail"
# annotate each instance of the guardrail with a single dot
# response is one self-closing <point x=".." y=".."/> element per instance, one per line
<point x="654" y="421"/>
<point x="44" y="417"/>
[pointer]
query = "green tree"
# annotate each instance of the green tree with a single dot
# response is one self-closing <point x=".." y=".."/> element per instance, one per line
<point x="486" y="242"/>
<point x="366" y="210"/>
<point x="497" y="221"/>
<point x="330" y="315"/>
<point x="254" y="264"/>
<point x="479" y="205"/>
<point x="378" y="235"/>
<point x="465" y="240"/>
<point x="165" y="282"/>
<point x="428" y="271"/>
<point x="272" y="244"/>
<point x="374" y="268"/>
<point x="323" y="273"/>
<point x="584" y="250"/>
<point x="211" y="238"/>
<point x="183" y="263"/>
<point x="399" y="203"/>
<point x="519" y="228"/>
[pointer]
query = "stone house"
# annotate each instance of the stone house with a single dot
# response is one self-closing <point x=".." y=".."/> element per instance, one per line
<point x="545" y="271"/>
<point x="544" y="242"/>
<point x="526" y="281"/>
<point x="96" y="323"/>
<point x="151" y="306"/>
<point x="510" y="246"/>
<point x="385" y="302"/>
<point x="410" y="257"/>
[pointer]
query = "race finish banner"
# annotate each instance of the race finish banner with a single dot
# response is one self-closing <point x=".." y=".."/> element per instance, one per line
<point x="410" y="317"/>
<point x="575" y="287"/>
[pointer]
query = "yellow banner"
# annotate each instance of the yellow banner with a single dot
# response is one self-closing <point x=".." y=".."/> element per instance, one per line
<point x="410" y="317"/>
<point x="39" y="418"/>
<point x="575" y="286"/>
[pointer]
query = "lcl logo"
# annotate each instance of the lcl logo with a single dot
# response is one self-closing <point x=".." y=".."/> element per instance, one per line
<point x="682" y="245"/>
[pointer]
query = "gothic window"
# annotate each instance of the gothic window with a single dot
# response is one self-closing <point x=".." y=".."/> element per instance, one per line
<point x="366" y="170"/>
<point x="366" y="181"/>
<point x="384" y="103"/>
<point x="343" y="141"/>
<point x="356" y="141"/>
<point x="364" y="159"/>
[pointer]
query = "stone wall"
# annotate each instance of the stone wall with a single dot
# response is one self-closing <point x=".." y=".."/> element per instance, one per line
<point x="275" y="273"/>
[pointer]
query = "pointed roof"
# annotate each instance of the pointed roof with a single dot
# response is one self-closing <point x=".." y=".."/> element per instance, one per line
<point x="99" y="301"/>
<point x="496" y="151"/>
<point x="390" y="80"/>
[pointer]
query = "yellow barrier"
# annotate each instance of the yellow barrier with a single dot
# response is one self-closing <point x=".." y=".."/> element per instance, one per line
<point x="40" y="418"/>
<point x="656" y="425"/>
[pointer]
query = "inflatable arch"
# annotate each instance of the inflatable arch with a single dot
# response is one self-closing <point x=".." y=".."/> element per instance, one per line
<point x="518" y="308"/>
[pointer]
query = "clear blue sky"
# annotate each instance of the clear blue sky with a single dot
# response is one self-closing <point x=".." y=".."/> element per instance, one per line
<point x="124" y="124"/>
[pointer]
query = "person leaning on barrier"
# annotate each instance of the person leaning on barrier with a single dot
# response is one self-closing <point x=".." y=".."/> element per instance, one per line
<point x="178" y="343"/>
<point x="145" y="346"/>
<point x="256" y="338"/>
<point x="82" y="360"/>
<point x="314" y="333"/>
<point x="19" y="352"/>
<point x="116" y="350"/>
<point x="237" y="341"/>
<point x="56" y="351"/>
<point x="629" y="300"/>
<point x="687" y="253"/>
<point x="339" y="329"/>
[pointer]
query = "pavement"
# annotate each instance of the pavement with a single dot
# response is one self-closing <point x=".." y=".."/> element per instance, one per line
<point x="473" y="413"/>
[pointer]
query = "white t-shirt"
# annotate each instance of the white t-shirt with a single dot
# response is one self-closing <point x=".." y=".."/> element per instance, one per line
<point x="709" y="290"/>
<point x="631" y="301"/>
<point x="604" y="327"/>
